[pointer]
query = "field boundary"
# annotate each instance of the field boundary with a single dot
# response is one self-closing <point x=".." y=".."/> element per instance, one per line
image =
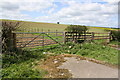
<point x="34" y="39"/>
<point x="88" y="36"/>
<point x="42" y="39"/>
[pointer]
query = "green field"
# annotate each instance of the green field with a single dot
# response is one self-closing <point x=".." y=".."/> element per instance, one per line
<point x="39" y="26"/>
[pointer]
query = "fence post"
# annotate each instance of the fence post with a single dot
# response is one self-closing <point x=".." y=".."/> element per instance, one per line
<point x="72" y="36"/>
<point x="84" y="36"/>
<point x="43" y="39"/>
<point x="93" y="35"/>
<point x="76" y="37"/>
<point x="109" y="35"/>
<point x="64" y="33"/>
<point x="0" y="41"/>
<point x="14" y="41"/>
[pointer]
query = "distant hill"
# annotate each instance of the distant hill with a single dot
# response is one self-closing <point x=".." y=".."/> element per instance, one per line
<point x="39" y="25"/>
<point x="29" y="26"/>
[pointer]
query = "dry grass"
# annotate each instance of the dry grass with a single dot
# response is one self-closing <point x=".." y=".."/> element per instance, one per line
<point x="51" y="64"/>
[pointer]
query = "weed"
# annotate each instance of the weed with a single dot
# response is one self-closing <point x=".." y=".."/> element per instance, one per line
<point x="91" y="50"/>
<point x="21" y="65"/>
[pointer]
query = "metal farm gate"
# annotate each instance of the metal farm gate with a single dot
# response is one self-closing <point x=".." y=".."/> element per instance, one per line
<point x="37" y="39"/>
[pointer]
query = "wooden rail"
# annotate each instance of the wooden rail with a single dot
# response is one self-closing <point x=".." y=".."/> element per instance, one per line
<point x="74" y="36"/>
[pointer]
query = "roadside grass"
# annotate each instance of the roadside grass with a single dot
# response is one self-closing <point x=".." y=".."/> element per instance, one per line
<point x="91" y="50"/>
<point x="100" y="41"/>
<point x="115" y="42"/>
<point x="21" y="64"/>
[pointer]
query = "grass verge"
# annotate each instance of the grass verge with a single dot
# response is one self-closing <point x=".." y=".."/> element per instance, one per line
<point x="21" y="65"/>
<point x="90" y="50"/>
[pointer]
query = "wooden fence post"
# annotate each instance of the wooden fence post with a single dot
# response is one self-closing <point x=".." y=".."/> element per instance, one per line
<point x="109" y="35"/>
<point x="14" y="41"/>
<point x="0" y="41"/>
<point x="93" y="36"/>
<point x="76" y="37"/>
<point x="64" y="33"/>
<point x="73" y="37"/>
<point x="43" y="39"/>
<point x="84" y="36"/>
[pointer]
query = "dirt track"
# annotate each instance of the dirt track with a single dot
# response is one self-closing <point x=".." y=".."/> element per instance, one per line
<point x="88" y="69"/>
<point x="74" y="66"/>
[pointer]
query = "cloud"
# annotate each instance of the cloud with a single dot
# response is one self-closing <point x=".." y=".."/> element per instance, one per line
<point x="14" y="15"/>
<point x="112" y="1"/>
<point x="31" y="5"/>
<point x="13" y="9"/>
<point x="86" y="12"/>
<point x="11" y="6"/>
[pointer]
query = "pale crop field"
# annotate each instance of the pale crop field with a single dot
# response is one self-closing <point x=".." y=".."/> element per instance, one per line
<point x="52" y="27"/>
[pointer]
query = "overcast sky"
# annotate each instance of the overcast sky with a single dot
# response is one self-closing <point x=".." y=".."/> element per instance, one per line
<point x="82" y="12"/>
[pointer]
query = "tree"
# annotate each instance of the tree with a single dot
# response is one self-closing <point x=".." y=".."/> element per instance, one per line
<point x="58" y="22"/>
<point x="116" y="35"/>
<point x="7" y="28"/>
<point x="77" y="28"/>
